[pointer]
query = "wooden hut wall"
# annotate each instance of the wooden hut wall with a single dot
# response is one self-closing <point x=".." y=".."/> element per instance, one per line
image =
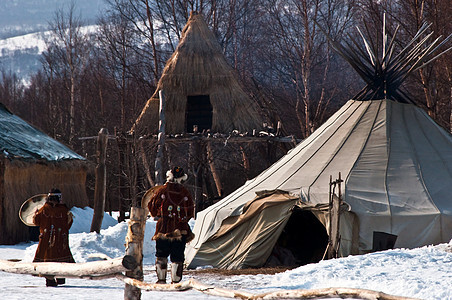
<point x="21" y="180"/>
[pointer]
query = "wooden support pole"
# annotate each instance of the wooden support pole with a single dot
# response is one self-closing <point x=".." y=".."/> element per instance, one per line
<point x="196" y="154"/>
<point x="159" y="178"/>
<point x="134" y="248"/>
<point x="122" y="165"/>
<point x="145" y="162"/>
<point x="101" y="181"/>
<point x="334" y="218"/>
<point x="216" y="177"/>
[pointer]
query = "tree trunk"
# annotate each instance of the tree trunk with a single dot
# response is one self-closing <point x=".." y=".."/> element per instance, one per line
<point x="145" y="163"/>
<point x="122" y="162"/>
<point x="196" y="152"/>
<point x="101" y="181"/>
<point x="159" y="178"/>
<point x="215" y="175"/>
<point x="134" y="248"/>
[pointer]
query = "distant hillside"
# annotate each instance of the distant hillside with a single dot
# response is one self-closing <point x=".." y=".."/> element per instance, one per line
<point x="22" y="23"/>
<point x="20" y="54"/>
<point x="18" y="17"/>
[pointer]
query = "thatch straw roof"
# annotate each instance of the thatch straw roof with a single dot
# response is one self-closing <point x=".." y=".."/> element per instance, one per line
<point x="198" y="67"/>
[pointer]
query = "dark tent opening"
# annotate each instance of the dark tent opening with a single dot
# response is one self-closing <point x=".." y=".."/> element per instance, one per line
<point x="198" y="113"/>
<point x="303" y="240"/>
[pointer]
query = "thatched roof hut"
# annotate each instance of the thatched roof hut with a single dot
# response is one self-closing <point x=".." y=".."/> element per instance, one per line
<point x="32" y="163"/>
<point x="200" y="88"/>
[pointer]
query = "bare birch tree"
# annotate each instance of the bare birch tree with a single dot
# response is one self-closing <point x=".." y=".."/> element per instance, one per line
<point x="69" y="45"/>
<point x="301" y="55"/>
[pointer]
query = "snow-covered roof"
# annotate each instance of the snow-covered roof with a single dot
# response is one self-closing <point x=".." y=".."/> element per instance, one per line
<point x="20" y="140"/>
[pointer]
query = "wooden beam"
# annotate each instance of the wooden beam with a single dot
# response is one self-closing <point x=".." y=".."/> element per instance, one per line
<point x="224" y="139"/>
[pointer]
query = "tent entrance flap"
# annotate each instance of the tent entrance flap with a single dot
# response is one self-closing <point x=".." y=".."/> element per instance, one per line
<point x="303" y="240"/>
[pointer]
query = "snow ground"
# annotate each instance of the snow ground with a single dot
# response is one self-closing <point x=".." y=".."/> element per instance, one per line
<point x="424" y="273"/>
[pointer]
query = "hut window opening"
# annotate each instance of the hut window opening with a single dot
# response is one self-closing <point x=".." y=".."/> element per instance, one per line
<point x="198" y="113"/>
<point x="303" y="240"/>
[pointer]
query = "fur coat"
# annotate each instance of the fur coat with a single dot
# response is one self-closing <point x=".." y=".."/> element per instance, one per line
<point x="172" y="204"/>
<point x="54" y="222"/>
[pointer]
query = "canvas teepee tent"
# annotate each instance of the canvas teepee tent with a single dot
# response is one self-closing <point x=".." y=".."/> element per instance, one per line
<point x="200" y="88"/>
<point x="397" y="168"/>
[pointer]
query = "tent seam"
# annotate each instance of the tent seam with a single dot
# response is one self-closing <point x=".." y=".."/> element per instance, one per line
<point x="389" y="109"/>
<point x="329" y="138"/>
<point x="344" y="141"/>
<point x="239" y="194"/>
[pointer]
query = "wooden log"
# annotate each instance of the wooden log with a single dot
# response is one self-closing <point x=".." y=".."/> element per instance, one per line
<point x="334" y="218"/>
<point x="67" y="270"/>
<point x="145" y="162"/>
<point x="100" y="189"/>
<point x="159" y="177"/>
<point x="186" y="285"/>
<point x="181" y="286"/>
<point x="325" y="293"/>
<point x="213" y="170"/>
<point x="121" y="142"/>
<point x="196" y="157"/>
<point x="134" y="248"/>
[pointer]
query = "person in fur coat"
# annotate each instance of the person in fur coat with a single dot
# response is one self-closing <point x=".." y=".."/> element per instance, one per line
<point x="173" y="206"/>
<point x="54" y="220"/>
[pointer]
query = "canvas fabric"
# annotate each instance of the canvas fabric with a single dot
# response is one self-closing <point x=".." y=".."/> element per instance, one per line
<point x="396" y="163"/>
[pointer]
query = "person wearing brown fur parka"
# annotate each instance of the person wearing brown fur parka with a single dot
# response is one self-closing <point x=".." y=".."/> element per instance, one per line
<point x="54" y="220"/>
<point x="173" y="206"/>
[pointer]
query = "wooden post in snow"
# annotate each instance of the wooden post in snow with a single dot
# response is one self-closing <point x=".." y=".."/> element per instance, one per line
<point x="101" y="181"/>
<point x="195" y="154"/>
<point x="159" y="178"/>
<point x="215" y="175"/>
<point x="334" y="216"/>
<point x="123" y="190"/>
<point x="134" y="248"/>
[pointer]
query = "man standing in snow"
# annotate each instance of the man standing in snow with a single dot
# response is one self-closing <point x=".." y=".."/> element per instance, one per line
<point x="54" y="220"/>
<point x="172" y="204"/>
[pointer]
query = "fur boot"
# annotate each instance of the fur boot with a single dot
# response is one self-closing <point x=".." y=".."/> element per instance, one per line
<point x="50" y="281"/>
<point x="176" y="271"/>
<point x="161" y="264"/>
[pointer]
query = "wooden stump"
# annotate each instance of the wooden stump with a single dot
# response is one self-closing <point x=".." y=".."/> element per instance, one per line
<point x="134" y="248"/>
